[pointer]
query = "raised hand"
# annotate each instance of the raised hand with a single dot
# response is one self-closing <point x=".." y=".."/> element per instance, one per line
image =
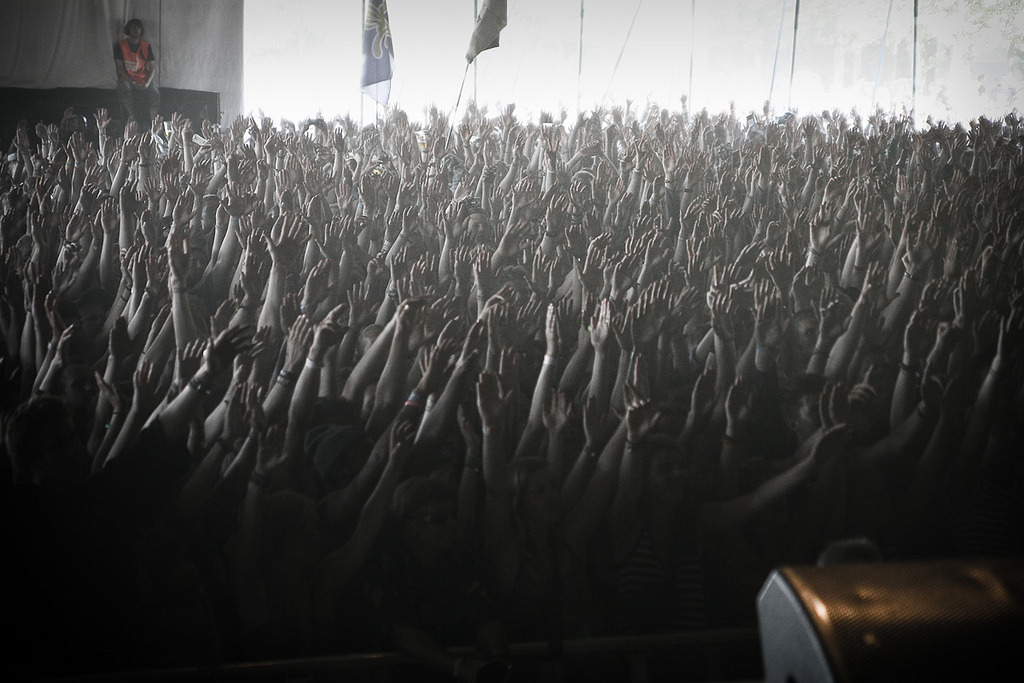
<point x="770" y="318"/>
<point x="557" y="411"/>
<point x="332" y="328"/>
<point x="400" y="442"/>
<point x="315" y="289"/>
<point x="721" y="307"/>
<point x="221" y="351"/>
<point x="244" y="398"/>
<point x="271" y="456"/>
<point x="641" y="415"/>
<point x="600" y="324"/>
<point x="831" y="442"/>
<point x="286" y="240"/>
<point x="433" y="363"/>
<point x="300" y="336"/>
<point x="475" y="344"/>
<point x="145" y="382"/>
<point x="490" y="402"/>
<point x="738" y="408"/>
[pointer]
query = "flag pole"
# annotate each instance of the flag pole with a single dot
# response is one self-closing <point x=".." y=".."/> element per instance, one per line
<point x="913" y="79"/>
<point x="622" y="51"/>
<point x="792" y="63"/>
<point x="451" y="124"/>
<point x="693" y="33"/>
<point x="778" y="48"/>
<point x="362" y="95"/>
<point x="881" y="54"/>
<point x="579" y="63"/>
<point x="476" y="14"/>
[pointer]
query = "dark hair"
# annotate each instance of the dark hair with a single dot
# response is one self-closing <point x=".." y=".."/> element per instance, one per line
<point x="34" y="440"/>
<point x="415" y="492"/>
<point x="802" y="385"/>
<point x="134" y="22"/>
<point x="521" y="471"/>
<point x="282" y="517"/>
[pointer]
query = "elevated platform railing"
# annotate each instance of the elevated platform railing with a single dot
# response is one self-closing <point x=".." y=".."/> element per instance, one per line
<point x="723" y="654"/>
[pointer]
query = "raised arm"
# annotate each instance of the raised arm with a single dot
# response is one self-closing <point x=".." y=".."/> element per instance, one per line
<point x="335" y="571"/>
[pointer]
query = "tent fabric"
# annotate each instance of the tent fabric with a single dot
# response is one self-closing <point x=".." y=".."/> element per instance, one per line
<point x="68" y="44"/>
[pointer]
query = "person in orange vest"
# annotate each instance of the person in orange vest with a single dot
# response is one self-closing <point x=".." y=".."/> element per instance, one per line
<point x="136" y="68"/>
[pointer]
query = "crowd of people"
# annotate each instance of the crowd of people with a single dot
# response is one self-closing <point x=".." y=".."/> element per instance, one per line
<point x="274" y="391"/>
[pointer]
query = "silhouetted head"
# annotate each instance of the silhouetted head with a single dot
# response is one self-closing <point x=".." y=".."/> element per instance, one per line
<point x="134" y="30"/>
<point x="425" y="508"/>
<point x="534" y="492"/>
<point x="42" y="444"/>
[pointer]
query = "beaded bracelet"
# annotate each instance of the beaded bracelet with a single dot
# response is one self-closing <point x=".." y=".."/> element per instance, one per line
<point x="199" y="386"/>
<point x="910" y="369"/>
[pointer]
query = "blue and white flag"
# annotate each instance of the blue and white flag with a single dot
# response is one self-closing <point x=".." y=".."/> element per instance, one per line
<point x="378" y="52"/>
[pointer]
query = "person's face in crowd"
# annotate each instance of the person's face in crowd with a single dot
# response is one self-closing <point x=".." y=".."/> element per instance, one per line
<point x="366" y="407"/>
<point x="433" y="525"/>
<point x="197" y="260"/>
<point x="288" y="532"/>
<point x="541" y="502"/>
<point x="64" y="459"/>
<point x="79" y="389"/>
<point x="867" y="414"/>
<point x="91" y="321"/>
<point x="134" y="34"/>
<point x="802" y="415"/>
<point x="805" y="328"/>
<point x="478" y="227"/>
<point x="368" y="336"/>
<point x="666" y="477"/>
<point x="304" y="547"/>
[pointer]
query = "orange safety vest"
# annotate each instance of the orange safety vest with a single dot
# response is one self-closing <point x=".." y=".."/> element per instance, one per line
<point x="135" y="62"/>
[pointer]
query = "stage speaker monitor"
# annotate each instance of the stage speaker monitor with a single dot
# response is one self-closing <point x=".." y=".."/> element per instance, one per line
<point x="934" y="621"/>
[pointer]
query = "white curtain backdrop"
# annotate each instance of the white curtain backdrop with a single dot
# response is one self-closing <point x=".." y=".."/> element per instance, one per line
<point x="69" y="43"/>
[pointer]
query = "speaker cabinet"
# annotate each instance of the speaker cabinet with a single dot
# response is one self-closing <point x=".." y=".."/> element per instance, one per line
<point x="933" y="621"/>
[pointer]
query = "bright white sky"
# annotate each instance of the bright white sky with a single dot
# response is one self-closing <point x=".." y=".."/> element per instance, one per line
<point x="304" y="56"/>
